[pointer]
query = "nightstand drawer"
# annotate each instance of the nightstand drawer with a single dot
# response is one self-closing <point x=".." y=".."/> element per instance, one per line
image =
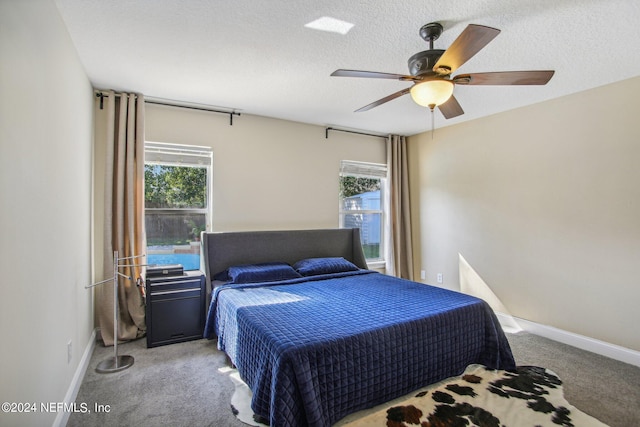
<point x="169" y="292"/>
<point x="160" y="284"/>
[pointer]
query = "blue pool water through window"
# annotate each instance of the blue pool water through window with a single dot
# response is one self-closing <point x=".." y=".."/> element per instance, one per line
<point x="188" y="261"/>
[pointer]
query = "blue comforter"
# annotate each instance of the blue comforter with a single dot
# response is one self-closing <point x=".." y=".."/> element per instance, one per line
<point x="317" y="349"/>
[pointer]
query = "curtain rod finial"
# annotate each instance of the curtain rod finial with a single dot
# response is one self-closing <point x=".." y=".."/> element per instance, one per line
<point x="101" y="95"/>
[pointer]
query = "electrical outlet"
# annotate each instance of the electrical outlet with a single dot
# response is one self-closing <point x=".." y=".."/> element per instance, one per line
<point x="423" y="274"/>
<point x="69" y="351"/>
<point x="439" y="277"/>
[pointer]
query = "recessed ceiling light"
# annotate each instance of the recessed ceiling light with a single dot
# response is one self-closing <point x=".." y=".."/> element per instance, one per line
<point x="332" y="25"/>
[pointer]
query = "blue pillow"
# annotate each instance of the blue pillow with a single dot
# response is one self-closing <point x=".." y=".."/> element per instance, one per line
<point x="255" y="273"/>
<point x="315" y="266"/>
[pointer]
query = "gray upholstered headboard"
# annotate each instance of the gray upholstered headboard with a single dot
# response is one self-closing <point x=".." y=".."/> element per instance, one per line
<point x="225" y="249"/>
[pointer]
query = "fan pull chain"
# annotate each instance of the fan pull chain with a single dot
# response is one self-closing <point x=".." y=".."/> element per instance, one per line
<point x="432" y="122"/>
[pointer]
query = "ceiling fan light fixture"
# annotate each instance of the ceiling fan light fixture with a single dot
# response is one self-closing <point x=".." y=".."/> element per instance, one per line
<point x="432" y="93"/>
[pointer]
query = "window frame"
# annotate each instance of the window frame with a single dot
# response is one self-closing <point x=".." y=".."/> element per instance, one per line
<point x="182" y="155"/>
<point x="371" y="171"/>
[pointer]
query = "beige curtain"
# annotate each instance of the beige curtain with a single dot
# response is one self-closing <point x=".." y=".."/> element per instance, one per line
<point x="123" y="215"/>
<point x="399" y="259"/>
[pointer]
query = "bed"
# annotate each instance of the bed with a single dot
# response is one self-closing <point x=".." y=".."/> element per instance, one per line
<point x="332" y="337"/>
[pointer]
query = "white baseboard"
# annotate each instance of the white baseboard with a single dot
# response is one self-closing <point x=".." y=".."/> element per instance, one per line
<point x="623" y="354"/>
<point x="72" y="391"/>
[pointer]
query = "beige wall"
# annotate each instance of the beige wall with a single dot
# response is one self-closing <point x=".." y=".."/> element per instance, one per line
<point x="268" y="173"/>
<point x="46" y="130"/>
<point x="543" y="204"/>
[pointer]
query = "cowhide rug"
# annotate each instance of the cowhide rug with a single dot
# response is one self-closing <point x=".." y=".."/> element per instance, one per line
<point x="482" y="397"/>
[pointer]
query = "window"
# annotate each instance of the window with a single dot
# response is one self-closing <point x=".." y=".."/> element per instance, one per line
<point x="177" y="192"/>
<point x="362" y="203"/>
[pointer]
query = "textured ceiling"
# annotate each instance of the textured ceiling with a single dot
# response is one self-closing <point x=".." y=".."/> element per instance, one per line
<point x="257" y="57"/>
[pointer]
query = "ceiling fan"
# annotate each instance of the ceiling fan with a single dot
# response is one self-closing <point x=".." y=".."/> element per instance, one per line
<point x="431" y="71"/>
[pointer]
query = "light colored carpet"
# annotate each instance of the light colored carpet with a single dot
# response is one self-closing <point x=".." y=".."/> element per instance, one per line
<point x="183" y="384"/>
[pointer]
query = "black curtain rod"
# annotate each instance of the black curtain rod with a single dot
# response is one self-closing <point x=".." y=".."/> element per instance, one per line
<point x="326" y="133"/>
<point x="230" y="113"/>
<point x="102" y="95"/>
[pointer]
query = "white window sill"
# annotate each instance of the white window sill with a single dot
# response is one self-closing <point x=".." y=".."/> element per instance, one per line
<point x="376" y="265"/>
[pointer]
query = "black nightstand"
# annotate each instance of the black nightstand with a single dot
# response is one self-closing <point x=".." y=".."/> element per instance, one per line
<point x="175" y="308"/>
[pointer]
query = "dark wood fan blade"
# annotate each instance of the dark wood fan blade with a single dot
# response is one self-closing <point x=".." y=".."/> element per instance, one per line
<point x="468" y="43"/>
<point x="540" y="77"/>
<point x="371" y="75"/>
<point x="451" y="108"/>
<point x="383" y="100"/>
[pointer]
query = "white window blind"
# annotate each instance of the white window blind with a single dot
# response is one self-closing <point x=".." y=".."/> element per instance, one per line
<point x="363" y="169"/>
<point x="183" y="155"/>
